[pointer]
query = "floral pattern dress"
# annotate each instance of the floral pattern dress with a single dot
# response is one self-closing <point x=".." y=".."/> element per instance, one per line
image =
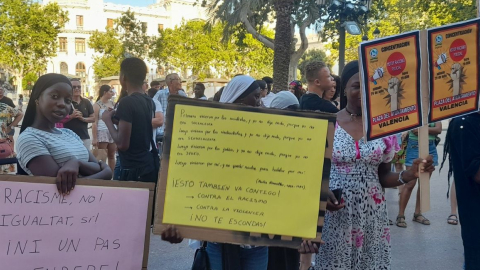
<point x="7" y="114"/>
<point x="358" y="236"/>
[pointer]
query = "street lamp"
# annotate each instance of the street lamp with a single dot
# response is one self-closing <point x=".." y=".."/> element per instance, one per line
<point x="348" y="13"/>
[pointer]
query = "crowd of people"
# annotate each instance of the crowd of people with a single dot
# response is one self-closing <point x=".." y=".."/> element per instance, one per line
<point x="54" y="141"/>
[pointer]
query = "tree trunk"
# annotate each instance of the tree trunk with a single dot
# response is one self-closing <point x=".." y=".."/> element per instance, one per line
<point x="297" y="54"/>
<point x="292" y="70"/>
<point x="283" y="41"/>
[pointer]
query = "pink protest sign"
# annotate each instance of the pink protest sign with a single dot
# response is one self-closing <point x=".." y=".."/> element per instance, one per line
<point x="93" y="228"/>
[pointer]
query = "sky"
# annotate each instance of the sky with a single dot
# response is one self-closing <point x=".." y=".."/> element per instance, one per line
<point x="136" y="3"/>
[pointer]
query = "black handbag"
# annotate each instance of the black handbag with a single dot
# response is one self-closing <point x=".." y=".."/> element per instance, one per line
<point x="200" y="262"/>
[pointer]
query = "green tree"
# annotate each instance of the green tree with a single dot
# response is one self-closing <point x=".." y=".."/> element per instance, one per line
<point x="313" y="55"/>
<point x="252" y="16"/>
<point x="128" y="38"/>
<point x="29" y="80"/>
<point x="28" y="36"/>
<point x="399" y="16"/>
<point x="189" y="47"/>
<point x="441" y="12"/>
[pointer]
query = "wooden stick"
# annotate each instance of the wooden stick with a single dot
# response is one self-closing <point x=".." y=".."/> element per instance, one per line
<point x="423" y="142"/>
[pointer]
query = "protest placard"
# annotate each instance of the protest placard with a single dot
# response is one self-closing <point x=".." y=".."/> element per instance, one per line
<point x="390" y="75"/>
<point x="453" y="64"/>
<point x="246" y="175"/>
<point x="100" y="225"/>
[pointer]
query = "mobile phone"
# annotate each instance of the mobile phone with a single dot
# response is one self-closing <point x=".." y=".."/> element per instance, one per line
<point x="338" y="194"/>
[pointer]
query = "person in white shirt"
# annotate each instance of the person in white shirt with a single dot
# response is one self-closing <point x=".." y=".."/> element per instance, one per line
<point x="174" y="84"/>
<point x="199" y="91"/>
<point x="270" y="95"/>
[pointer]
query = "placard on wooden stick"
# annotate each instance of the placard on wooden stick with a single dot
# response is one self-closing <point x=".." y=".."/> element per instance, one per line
<point x="244" y="175"/>
<point x="99" y="225"/>
<point x="453" y="57"/>
<point x="390" y="79"/>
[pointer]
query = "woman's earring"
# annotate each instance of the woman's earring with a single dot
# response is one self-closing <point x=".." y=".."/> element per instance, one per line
<point x="36" y="101"/>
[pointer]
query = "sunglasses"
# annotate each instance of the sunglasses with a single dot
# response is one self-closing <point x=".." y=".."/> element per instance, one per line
<point x="76" y="87"/>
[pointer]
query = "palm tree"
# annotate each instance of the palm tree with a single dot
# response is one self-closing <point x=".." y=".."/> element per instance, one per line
<point x="252" y="15"/>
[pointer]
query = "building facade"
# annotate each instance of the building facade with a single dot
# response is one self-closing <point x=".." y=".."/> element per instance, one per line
<point x="75" y="58"/>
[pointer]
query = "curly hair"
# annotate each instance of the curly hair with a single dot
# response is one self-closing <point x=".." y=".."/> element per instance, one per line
<point x="312" y="69"/>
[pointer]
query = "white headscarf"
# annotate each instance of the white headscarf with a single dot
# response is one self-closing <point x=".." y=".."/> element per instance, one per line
<point x="283" y="99"/>
<point x="235" y="88"/>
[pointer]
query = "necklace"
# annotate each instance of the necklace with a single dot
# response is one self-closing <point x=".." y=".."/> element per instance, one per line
<point x="353" y="116"/>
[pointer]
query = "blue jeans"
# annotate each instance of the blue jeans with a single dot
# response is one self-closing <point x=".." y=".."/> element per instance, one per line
<point x="412" y="152"/>
<point x="117" y="170"/>
<point x="251" y="258"/>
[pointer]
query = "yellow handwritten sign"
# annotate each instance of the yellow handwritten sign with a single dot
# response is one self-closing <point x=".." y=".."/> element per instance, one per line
<point x="245" y="171"/>
<point x="453" y="60"/>
<point x="390" y="70"/>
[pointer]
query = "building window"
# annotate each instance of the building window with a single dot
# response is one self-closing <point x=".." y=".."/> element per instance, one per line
<point x="160" y="27"/>
<point x="63" y="44"/>
<point x="144" y="26"/>
<point x="80" y="70"/>
<point x="63" y="68"/>
<point x="109" y="23"/>
<point x="79" y="45"/>
<point x="79" y="21"/>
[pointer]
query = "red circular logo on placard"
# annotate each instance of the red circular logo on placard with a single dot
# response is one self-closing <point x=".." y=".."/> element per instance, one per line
<point x="396" y="63"/>
<point x="458" y="50"/>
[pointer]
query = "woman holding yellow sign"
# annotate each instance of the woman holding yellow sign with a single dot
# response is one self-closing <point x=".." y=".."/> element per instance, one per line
<point x="358" y="236"/>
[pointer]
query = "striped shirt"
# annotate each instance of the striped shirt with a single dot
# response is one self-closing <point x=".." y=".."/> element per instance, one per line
<point x="62" y="146"/>
<point x="162" y="97"/>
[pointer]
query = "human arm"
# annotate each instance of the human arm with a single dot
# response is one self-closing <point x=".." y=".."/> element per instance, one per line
<point x="120" y="136"/>
<point x="66" y="176"/>
<point x="95" y="169"/>
<point x="90" y="113"/>
<point x="73" y="115"/>
<point x="96" y="110"/>
<point x="16" y="120"/>
<point x="389" y="179"/>
<point x="157" y="121"/>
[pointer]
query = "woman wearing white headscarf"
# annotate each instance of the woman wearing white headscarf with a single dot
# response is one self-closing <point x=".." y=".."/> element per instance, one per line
<point x="285" y="100"/>
<point x="241" y="90"/>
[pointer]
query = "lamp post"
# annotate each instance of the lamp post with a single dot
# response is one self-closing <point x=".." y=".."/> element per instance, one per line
<point x="348" y="13"/>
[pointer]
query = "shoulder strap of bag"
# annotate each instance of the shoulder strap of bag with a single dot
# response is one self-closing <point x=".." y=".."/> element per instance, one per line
<point x="151" y="108"/>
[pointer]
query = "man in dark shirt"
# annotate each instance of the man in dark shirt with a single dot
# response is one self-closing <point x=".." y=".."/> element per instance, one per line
<point x="81" y="115"/>
<point x="134" y="134"/>
<point x="463" y="146"/>
<point x="319" y="80"/>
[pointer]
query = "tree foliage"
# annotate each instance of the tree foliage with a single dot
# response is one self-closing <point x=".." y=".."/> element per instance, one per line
<point x="28" y="36"/>
<point x="253" y="16"/>
<point x="189" y="47"/>
<point x="313" y="55"/>
<point x="127" y="38"/>
<point x="399" y="16"/>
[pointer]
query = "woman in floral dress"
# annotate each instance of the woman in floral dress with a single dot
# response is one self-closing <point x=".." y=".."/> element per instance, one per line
<point x="358" y="236"/>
